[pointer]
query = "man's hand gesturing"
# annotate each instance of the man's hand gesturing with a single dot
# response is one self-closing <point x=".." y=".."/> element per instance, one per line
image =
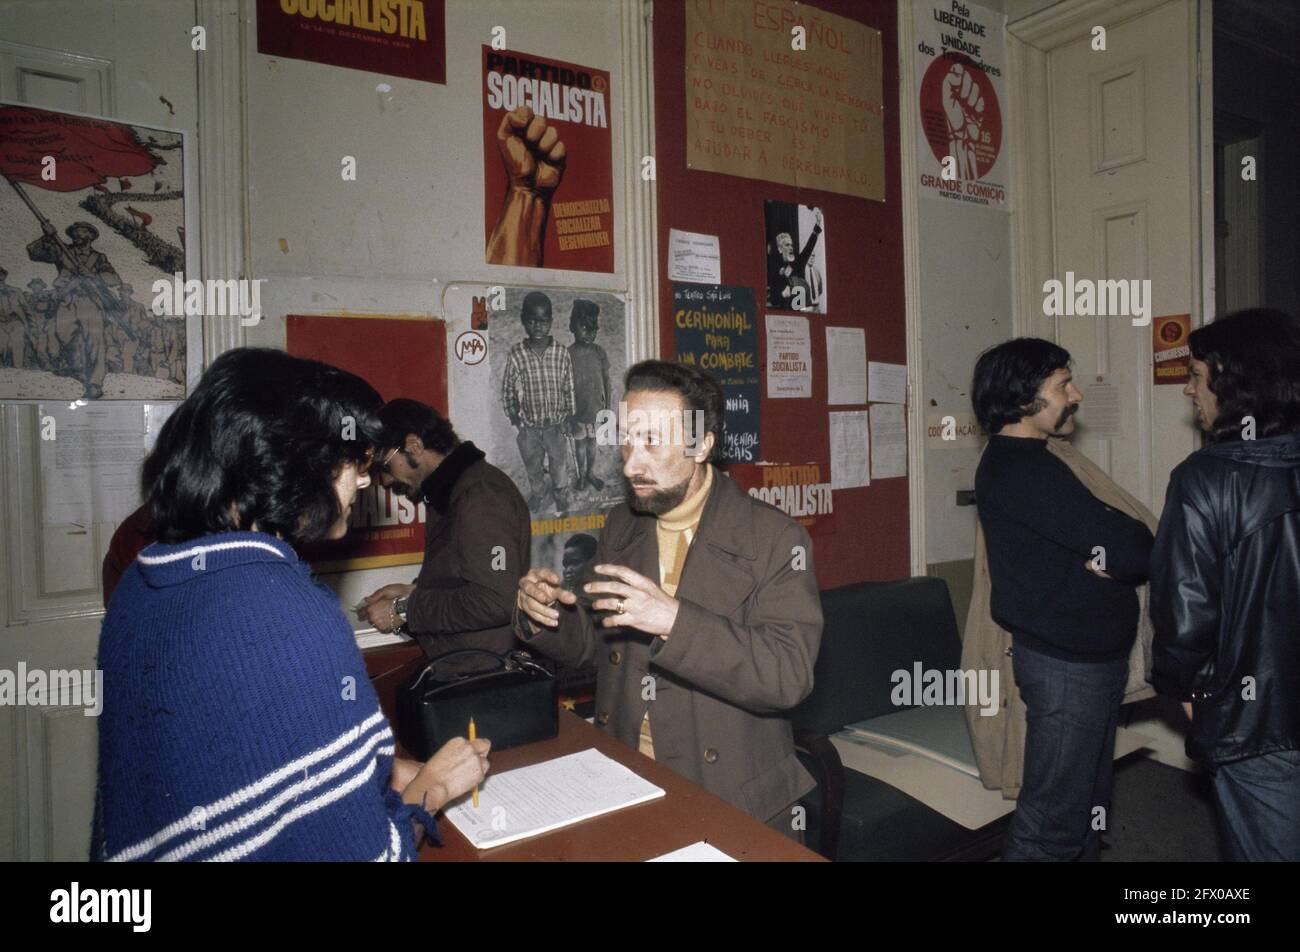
<point x="531" y="150"/>
<point x="539" y="591"/>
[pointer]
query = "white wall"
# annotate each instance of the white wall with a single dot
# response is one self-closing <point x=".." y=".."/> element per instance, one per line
<point x="412" y="223"/>
<point x="965" y="272"/>
<point x="964" y="306"/>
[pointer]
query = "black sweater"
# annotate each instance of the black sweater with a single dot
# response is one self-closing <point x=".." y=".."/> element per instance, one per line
<point x="1040" y="527"/>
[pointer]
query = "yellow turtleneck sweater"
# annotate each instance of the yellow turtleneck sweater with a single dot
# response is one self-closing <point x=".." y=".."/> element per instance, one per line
<point x="676" y="530"/>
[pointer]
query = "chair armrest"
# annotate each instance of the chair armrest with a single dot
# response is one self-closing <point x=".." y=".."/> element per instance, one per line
<point x="829" y="771"/>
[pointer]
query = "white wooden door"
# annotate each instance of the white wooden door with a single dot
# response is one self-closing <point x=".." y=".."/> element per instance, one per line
<point x="128" y="60"/>
<point x="1115" y="162"/>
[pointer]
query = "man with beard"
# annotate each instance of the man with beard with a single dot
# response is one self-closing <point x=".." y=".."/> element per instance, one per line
<point x="788" y="285"/>
<point x="700" y="607"/>
<point x="476" y="538"/>
<point x="1225" y="580"/>
<point x="1064" y="566"/>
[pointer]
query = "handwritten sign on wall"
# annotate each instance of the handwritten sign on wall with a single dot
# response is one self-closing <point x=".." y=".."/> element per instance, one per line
<point x="714" y="330"/>
<point x="787" y="93"/>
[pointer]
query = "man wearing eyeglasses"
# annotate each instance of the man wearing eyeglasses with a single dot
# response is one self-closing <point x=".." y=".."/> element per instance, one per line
<point x="476" y="538"/>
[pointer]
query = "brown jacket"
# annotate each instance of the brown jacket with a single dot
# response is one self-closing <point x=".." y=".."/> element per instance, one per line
<point x="741" y="652"/>
<point x="999" y="739"/>
<point x="465" y="591"/>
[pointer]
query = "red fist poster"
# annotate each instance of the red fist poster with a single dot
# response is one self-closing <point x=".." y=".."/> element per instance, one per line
<point x="548" y="166"/>
<point x="959" y="75"/>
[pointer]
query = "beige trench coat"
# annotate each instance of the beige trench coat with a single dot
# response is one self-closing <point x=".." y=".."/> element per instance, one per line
<point x="999" y="739"/>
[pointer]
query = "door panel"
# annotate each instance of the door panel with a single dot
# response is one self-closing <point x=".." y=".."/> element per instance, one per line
<point x="1123" y="167"/>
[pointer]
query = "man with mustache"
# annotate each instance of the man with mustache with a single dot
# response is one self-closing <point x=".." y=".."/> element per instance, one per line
<point x="1225" y="580"/>
<point x="700" y="607"/>
<point x="1064" y="567"/>
<point x="476" y="538"/>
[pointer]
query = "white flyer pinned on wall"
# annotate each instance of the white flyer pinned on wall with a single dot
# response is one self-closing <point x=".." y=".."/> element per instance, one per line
<point x="694" y="257"/>
<point x="886" y="383"/>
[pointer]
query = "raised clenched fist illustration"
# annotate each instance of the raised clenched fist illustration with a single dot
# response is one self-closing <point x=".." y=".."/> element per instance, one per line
<point x="963" y="106"/>
<point x="534" y="159"/>
<point x="531" y="150"/>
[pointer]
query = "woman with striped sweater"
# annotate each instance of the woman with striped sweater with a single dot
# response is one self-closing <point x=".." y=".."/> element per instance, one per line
<point x="238" y="719"/>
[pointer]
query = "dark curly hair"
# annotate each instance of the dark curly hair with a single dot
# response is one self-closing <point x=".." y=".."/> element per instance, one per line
<point x="402" y="417"/>
<point x="1008" y="378"/>
<point x="260" y="441"/>
<point x="583" y="312"/>
<point x="1254" y="361"/>
<point x="699" y="392"/>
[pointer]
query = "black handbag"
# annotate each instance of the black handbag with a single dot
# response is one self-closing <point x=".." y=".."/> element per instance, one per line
<point x="517" y="703"/>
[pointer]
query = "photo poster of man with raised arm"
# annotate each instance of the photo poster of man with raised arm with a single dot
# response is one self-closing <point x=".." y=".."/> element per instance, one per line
<point x="548" y="171"/>
<point x="796" y="257"/>
<point x="557" y="359"/>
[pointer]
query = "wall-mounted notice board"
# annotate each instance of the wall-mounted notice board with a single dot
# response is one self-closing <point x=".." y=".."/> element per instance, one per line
<point x="840" y="262"/>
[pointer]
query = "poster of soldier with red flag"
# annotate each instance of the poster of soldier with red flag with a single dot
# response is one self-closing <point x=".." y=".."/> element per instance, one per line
<point x="93" y="216"/>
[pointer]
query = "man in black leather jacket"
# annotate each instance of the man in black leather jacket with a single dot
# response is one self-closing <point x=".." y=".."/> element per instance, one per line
<point x="1225" y="580"/>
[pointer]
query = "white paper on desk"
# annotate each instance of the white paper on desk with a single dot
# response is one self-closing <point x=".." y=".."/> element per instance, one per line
<point x="700" y="852"/>
<point x="694" y="257"/>
<point x="789" y="356"/>
<point x="886" y="383"/>
<point x="850" y="433"/>
<point x="846" y="365"/>
<point x="888" y="441"/>
<point x="556" y="793"/>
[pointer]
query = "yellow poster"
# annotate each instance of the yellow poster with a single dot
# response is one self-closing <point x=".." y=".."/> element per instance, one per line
<point x="784" y="92"/>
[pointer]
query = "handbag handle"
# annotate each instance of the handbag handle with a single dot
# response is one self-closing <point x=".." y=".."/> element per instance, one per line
<point x="502" y="660"/>
<point x="505" y="662"/>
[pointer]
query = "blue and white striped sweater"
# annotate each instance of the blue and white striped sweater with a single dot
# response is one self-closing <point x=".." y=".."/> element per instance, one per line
<point x="238" y="719"/>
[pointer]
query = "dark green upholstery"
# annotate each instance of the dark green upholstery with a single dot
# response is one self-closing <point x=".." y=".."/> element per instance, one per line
<point x="873" y="629"/>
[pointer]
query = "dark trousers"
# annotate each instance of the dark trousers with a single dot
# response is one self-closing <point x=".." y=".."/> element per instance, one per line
<point x="1073" y="709"/>
<point x="1259" y="807"/>
<point x="537" y="444"/>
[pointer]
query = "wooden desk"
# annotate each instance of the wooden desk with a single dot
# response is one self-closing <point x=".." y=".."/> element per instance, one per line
<point x="685" y="814"/>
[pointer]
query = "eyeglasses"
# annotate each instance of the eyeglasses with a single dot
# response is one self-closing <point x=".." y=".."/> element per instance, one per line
<point x="368" y="463"/>
<point x="383" y="464"/>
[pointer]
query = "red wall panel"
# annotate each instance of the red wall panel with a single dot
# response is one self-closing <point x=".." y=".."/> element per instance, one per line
<point x="864" y="244"/>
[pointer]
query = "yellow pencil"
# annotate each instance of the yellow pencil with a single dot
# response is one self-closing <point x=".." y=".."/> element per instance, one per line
<point x="473" y="735"/>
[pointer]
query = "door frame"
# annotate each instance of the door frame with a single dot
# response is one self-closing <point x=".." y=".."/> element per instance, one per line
<point x="1029" y="41"/>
